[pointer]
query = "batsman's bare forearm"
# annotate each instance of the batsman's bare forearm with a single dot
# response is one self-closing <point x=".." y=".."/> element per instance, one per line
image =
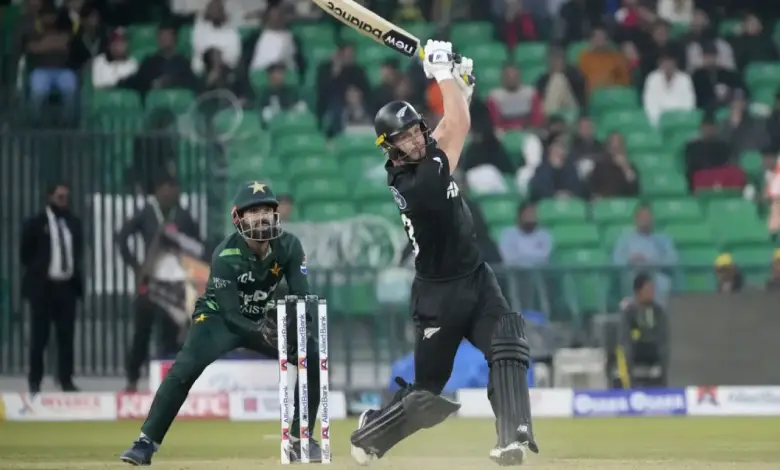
<point x="455" y="124"/>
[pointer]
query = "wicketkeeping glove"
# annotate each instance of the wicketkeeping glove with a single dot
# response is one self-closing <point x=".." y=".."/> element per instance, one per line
<point x="437" y="62"/>
<point x="464" y="69"/>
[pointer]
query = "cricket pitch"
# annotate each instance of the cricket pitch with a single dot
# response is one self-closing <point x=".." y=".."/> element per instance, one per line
<point x="618" y="443"/>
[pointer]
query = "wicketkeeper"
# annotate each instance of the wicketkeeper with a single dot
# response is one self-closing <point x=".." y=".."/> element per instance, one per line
<point x="238" y="310"/>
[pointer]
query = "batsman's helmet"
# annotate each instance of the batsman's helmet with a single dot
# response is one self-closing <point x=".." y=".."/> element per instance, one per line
<point x="393" y="119"/>
<point x="256" y="224"/>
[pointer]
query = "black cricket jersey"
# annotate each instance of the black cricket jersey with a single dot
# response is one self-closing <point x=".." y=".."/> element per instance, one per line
<point x="435" y="217"/>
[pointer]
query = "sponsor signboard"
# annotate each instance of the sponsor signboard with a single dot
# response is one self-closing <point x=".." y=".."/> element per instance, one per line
<point x="227" y="375"/>
<point x="59" y="407"/>
<point x="263" y="405"/>
<point x="733" y="401"/>
<point x="545" y="403"/>
<point x="629" y="402"/>
<point x="196" y="406"/>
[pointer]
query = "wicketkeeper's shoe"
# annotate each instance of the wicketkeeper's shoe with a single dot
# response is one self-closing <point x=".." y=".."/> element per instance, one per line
<point x="360" y="455"/>
<point x="140" y="453"/>
<point x="315" y="451"/>
<point x="515" y="452"/>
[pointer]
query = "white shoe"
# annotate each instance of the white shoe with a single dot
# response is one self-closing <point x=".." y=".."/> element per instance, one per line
<point x="359" y="455"/>
<point x="513" y="454"/>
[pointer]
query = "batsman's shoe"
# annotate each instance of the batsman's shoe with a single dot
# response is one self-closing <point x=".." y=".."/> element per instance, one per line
<point x="140" y="453"/>
<point x="515" y="453"/>
<point x="360" y="455"/>
<point x="315" y="451"/>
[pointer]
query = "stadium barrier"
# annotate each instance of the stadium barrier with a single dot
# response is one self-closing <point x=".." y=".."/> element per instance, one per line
<point x="263" y="405"/>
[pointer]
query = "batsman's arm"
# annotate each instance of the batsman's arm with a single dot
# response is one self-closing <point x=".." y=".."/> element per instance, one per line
<point x="454" y="126"/>
<point x="295" y="270"/>
<point x="224" y="279"/>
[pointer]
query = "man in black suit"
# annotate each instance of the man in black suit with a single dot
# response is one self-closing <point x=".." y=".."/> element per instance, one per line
<point x="160" y="269"/>
<point x="51" y="255"/>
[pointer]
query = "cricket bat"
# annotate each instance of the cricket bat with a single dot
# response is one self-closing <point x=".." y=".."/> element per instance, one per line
<point x="377" y="28"/>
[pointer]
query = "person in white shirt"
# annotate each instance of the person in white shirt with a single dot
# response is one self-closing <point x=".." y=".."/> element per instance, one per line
<point x="213" y="31"/>
<point x="676" y="11"/>
<point x="667" y="89"/>
<point x="116" y="65"/>
<point x="275" y="44"/>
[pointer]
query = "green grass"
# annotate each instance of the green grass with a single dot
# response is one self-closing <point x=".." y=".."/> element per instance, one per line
<point x="666" y="443"/>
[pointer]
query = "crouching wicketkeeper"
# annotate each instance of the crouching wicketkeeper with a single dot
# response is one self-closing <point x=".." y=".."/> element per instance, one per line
<point x="238" y="310"/>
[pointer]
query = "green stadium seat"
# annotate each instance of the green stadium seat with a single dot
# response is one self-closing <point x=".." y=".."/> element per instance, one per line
<point x="530" y="75"/>
<point x="346" y="144"/>
<point x="142" y="36"/>
<point x="310" y="34"/>
<point x="177" y="100"/>
<point x="123" y="101"/>
<point x="312" y="143"/>
<point x="613" y="232"/>
<point x="762" y="74"/>
<point x="729" y="27"/>
<point x="513" y="142"/>
<point x="575" y="235"/>
<point x="676" y="210"/>
<point x="284" y="124"/>
<point x="420" y="29"/>
<point x="614" y="210"/>
<point x="622" y="121"/>
<point x="530" y="54"/>
<point x="356" y="167"/>
<point x="184" y="40"/>
<point x="489" y="79"/>
<point x="555" y="211"/>
<point x="754" y="262"/>
<point x="586" y="287"/>
<point x="303" y="166"/>
<point x="574" y="50"/>
<point x="697" y="268"/>
<point x="321" y="189"/>
<point x="243" y="167"/>
<point x="368" y="189"/>
<point x="328" y="211"/>
<point x="472" y="32"/>
<point x="751" y="164"/>
<point x="500" y="210"/>
<point x="663" y="184"/>
<point x="387" y="208"/>
<point x="728" y="210"/>
<point x="487" y="54"/>
<point x="243" y="125"/>
<point x="653" y="162"/>
<point x="372" y="54"/>
<point x="689" y="234"/>
<point x="259" y="79"/>
<point x="643" y="140"/>
<point x="733" y="234"/>
<point x="613" y="99"/>
<point x="318" y="53"/>
<point x="675" y="122"/>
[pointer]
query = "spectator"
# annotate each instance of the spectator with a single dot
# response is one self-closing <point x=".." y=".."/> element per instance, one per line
<point x="701" y="32"/>
<point x="518" y="25"/>
<point x="667" y="89"/>
<point x="115" y="66"/>
<point x="334" y="76"/>
<point x="166" y="68"/>
<point x="278" y="96"/>
<point x="676" y="11"/>
<point x="526" y="244"/>
<point x="628" y="15"/>
<point x="218" y="75"/>
<point x="274" y="43"/>
<point x="728" y="275"/>
<point x="486" y="149"/>
<point x="713" y="83"/>
<point x="389" y="77"/>
<point x="556" y="128"/>
<point x="90" y="41"/>
<point x="47" y="59"/>
<point x="660" y="45"/>
<point x="602" y="64"/>
<point x="52" y="281"/>
<point x="556" y="176"/>
<point x="773" y="122"/>
<point x="576" y="20"/>
<point x="286" y="208"/>
<point x="27" y="24"/>
<point x="764" y="179"/>
<point x="514" y="105"/>
<point x="741" y="129"/>
<point x="773" y="283"/>
<point x="585" y="147"/>
<point x="354" y="117"/>
<point x="562" y="87"/>
<point x="408" y="11"/>
<point x="213" y="31"/>
<point x="614" y="175"/>
<point x="643" y="248"/>
<point x="753" y="44"/>
<point x="708" y="151"/>
<point x="70" y="16"/>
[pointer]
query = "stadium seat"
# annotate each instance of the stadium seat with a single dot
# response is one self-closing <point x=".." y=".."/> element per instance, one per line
<point x="296" y="123"/>
<point x="303" y="144"/>
<point x="530" y="75"/>
<point x="735" y="233"/>
<point x="729" y="210"/>
<point x="371" y="54"/>
<point x="586" y="286"/>
<point x="513" y="142"/>
<point x="662" y="184"/>
<point x="643" y="140"/>
<point x="386" y="208"/>
<point x="259" y="79"/>
<point x="614" y="210"/>
<point x="754" y="262"/>
<point x="124" y="101"/>
<point x="327" y="211"/>
<point x="676" y="210"/>
<point x="622" y="121"/>
<point x="697" y="268"/>
<point x="689" y="234"/>
<point x="367" y="189"/>
<point x="303" y="166"/>
<point x="177" y="100"/>
<point x="310" y="34"/>
<point x="487" y="54"/>
<point x="751" y="164"/>
<point x="245" y="125"/>
<point x="530" y="54"/>
<point x="320" y="190"/>
<point x="555" y="211"/>
<point x="612" y="232"/>
<point x="318" y="53"/>
<point x="574" y="50"/>
<point x="472" y="32"/>
<point x="500" y="211"/>
<point x="762" y="74"/>
<point x="654" y="162"/>
<point x="142" y="36"/>
<point x="613" y="99"/>
<point x="421" y="29"/>
<point x="489" y="79"/>
<point x="675" y="122"/>
<point x="575" y="235"/>
<point x="346" y="144"/>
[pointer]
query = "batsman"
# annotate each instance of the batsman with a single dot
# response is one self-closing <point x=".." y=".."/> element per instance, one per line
<point x="238" y="310"/>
